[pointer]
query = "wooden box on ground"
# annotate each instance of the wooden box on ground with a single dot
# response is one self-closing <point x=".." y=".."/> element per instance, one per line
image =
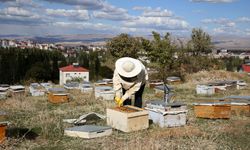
<point x="240" y="108"/>
<point x="127" y="118"/>
<point x="58" y="95"/>
<point x="88" y="131"/>
<point x="36" y="89"/>
<point x="3" y="127"/>
<point x="104" y="92"/>
<point x="155" y="83"/>
<point x="17" y="90"/>
<point x="213" y="110"/>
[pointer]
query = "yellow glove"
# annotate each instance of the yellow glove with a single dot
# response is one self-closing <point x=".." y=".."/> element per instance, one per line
<point x="118" y="101"/>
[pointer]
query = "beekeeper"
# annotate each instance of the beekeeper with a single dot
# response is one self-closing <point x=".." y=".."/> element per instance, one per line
<point x="129" y="78"/>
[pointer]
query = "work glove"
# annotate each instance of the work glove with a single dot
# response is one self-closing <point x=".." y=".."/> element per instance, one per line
<point x="118" y="101"/>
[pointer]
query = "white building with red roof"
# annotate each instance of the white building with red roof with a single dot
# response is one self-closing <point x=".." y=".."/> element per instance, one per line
<point x="70" y="72"/>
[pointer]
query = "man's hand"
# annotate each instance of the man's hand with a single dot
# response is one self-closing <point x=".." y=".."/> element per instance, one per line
<point x="118" y="101"/>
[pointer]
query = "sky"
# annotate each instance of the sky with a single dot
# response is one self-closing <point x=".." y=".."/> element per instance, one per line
<point x="136" y="17"/>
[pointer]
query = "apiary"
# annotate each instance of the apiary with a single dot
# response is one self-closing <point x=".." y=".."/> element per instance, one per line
<point x="36" y="89"/>
<point x="127" y="118"/>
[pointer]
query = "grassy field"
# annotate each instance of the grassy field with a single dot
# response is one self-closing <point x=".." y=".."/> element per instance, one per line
<point x="40" y="125"/>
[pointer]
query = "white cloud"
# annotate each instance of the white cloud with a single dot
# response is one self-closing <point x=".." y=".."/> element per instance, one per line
<point x="160" y="23"/>
<point x="222" y="21"/>
<point x="244" y="19"/>
<point x="156" y="12"/>
<point x="86" y="4"/>
<point x="73" y="14"/>
<point x="19" y="15"/>
<point x="111" y="12"/>
<point x="213" y="1"/>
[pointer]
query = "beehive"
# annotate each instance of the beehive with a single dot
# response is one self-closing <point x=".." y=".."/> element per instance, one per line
<point x="167" y="115"/>
<point x="57" y="95"/>
<point x="213" y="110"/>
<point x="104" y="92"/>
<point x="3" y="127"/>
<point x="240" y="108"/>
<point x="127" y="118"/>
<point x="17" y="90"/>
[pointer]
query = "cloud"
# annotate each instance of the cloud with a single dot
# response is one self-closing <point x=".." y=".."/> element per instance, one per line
<point x="111" y="12"/>
<point x="86" y="4"/>
<point x="157" y="12"/>
<point x="221" y="21"/>
<point x="213" y="1"/>
<point x="72" y="14"/>
<point x="243" y="19"/>
<point x="20" y="16"/>
<point x="158" y="23"/>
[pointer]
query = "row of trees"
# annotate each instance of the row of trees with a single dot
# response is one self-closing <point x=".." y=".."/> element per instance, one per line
<point x="166" y="54"/>
<point x="26" y="64"/>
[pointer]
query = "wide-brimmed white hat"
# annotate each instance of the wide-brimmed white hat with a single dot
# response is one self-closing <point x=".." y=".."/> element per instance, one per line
<point x="128" y="67"/>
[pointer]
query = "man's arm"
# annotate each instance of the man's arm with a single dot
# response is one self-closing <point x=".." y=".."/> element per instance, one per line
<point x="117" y="85"/>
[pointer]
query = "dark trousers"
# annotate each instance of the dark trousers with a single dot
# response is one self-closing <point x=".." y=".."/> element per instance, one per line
<point x="138" y="97"/>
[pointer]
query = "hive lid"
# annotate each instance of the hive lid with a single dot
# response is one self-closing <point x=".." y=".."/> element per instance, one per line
<point x="162" y="103"/>
<point x="240" y="102"/>
<point x="57" y="90"/>
<point x="89" y="128"/>
<point x="238" y="97"/>
<point x="212" y="103"/>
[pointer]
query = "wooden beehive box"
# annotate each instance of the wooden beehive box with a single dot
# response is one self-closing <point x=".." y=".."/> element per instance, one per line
<point x="3" y="127"/>
<point x="127" y="118"/>
<point x="213" y="110"/>
<point x="239" y="108"/>
<point x="17" y="90"/>
<point x="58" y="95"/>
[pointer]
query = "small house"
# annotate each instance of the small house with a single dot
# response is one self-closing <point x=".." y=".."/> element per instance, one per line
<point x="47" y="85"/>
<point x="71" y="72"/>
<point x="104" y="92"/>
<point x="36" y="89"/>
<point x="17" y="90"/>
<point x="246" y="67"/>
<point x="71" y="85"/>
<point x="58" y="95"/>
<point x="86" y="87"/>
<point x="3" y="90"/>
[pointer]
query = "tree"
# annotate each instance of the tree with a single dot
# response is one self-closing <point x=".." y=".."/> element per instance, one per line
<point x="124" y="46"/>
<point x="161" y="52"/>
<point x="200" y="42"/>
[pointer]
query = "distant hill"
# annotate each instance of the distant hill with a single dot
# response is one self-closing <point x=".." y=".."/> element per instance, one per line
<point x="227" y="42"/>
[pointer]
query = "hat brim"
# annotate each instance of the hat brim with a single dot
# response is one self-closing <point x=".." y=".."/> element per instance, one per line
<point x="134" y="72"/>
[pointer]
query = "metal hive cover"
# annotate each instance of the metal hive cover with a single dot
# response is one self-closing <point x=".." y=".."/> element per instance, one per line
<point x="212" y="103"/>
<point x="89" y="128"/>
<point x="238" y="97"/>
<point x="57" y="90"/>
<point x="162" y="103"/>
